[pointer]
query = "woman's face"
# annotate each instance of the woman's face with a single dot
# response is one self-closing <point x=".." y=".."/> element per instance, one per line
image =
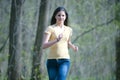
<point x="60" y="17"/>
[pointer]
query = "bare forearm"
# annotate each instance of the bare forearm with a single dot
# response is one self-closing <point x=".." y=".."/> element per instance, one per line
<point x="75" y="48"/>
<point x="48" y="44"/>
<point x="71" y="45"/>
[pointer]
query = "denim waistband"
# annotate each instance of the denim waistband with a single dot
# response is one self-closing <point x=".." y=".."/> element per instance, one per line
<point x="58" y="59"/>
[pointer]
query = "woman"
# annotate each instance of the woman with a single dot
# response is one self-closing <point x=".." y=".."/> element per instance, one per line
<point x="57" y="38"/>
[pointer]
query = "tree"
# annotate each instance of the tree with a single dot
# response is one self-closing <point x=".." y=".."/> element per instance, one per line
<point x="118" y="56"/>
<point x="37" y="52"/>
<point x="14" y="63"/>
<point x="118" y="40"/>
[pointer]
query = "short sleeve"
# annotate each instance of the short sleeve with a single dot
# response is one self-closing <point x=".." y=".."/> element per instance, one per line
<point x="70" y="32"/>
<point x="48" y="30"/>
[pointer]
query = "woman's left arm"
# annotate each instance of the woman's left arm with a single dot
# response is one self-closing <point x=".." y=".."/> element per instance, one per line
<point x="75" y="48"/>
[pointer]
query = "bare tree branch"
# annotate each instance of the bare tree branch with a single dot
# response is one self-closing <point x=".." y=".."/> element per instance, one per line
<point x="96" y="26"/>
<point x="2" y="47"/>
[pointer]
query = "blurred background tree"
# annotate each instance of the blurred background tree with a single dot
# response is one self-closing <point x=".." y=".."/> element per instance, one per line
<point x="117" y="21"/>
<point x="14" y="56"/>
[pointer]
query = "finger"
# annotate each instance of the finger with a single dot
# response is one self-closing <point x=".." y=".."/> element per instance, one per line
<point x="76" y="48"/>
<point x="60" y="35"/>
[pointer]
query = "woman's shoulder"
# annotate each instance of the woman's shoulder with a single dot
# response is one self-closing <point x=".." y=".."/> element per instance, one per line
<point x="68" y="27"/>
<point x="51" y="26"/>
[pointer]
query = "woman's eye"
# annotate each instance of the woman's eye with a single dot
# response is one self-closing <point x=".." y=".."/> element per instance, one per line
<point x="61" y="15"/>
<point x="58" y="15"/>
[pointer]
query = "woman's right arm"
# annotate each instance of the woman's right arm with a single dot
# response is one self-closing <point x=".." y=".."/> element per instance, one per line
<point x="47" y="43"/>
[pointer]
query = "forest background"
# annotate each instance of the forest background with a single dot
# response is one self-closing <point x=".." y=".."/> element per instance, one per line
<point x="96" y="31"/>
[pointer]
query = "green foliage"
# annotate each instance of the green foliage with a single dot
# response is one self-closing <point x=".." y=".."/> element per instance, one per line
<point x="117" y="16"/>
<point x="117" y="8"/>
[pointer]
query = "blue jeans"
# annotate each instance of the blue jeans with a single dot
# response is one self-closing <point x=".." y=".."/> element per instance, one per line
<point x="58" y="68"/>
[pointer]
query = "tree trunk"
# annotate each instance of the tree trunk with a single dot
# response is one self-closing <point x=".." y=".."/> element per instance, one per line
<point x="14" y="63"/>
<point x="117" y="40"/>
<point x="118" y="56"/>
<point x="37" y="52"/>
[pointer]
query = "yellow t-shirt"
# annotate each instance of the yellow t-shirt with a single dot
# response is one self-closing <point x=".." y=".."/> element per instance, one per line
<point x="59" y="50"/>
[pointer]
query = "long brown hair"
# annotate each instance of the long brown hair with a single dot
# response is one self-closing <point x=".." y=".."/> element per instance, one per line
<point x="53" y="20"/>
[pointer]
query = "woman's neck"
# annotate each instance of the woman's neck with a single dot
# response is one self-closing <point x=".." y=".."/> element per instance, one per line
<point x="60" y="25"/>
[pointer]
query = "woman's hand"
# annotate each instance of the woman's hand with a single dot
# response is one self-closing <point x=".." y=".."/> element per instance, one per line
<point x="59" y="37"/>
<point x="75" y="48"/>
<point x="47" y="43"/>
